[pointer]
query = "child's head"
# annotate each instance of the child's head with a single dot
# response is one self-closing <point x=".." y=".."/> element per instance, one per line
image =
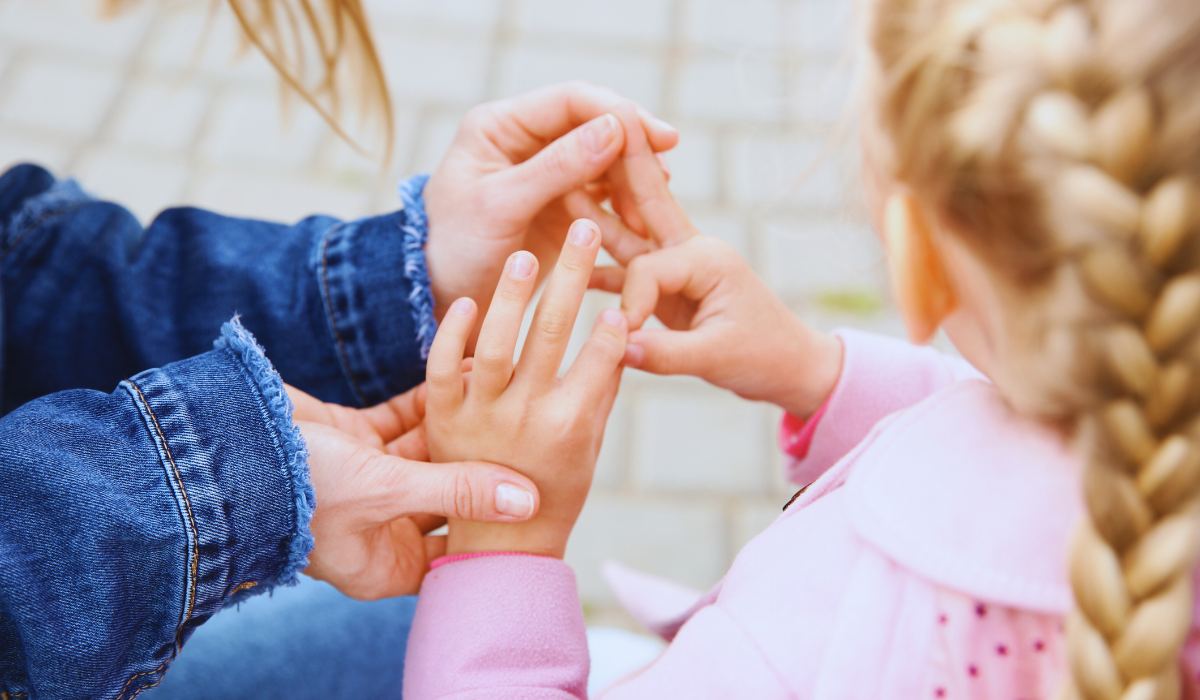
<point x="1039" y="160"/>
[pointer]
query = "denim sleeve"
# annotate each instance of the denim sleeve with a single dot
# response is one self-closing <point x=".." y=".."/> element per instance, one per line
<point x="128" y="519"/>
<point x="90" y="296"/>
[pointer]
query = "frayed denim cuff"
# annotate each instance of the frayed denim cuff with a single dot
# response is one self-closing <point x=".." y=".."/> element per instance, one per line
<point x="237" y="470"/>
<point x="375" y="288"/>
<point x="290" y="448"/>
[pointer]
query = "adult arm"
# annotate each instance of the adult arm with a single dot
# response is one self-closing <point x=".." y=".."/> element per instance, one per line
<point x="91" y="297"/>
<point x="128" y="519"/>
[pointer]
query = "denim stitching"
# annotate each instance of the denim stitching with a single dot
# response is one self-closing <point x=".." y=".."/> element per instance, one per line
<point x="187" y="504"/>
<point x="333" y="315"/>
<point x="40" y="220"/>
<point x="275" y="408"/>
<point x="139" y="675"/>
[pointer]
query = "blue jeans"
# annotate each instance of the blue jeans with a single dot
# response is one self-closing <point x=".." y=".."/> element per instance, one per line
<point x="305" y="642"/>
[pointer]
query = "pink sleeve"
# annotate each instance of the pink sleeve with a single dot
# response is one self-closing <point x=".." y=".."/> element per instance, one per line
<point x="499" y="626"/>
<point x="880" y="375"/>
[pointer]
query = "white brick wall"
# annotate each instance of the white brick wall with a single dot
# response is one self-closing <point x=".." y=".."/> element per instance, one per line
<point x="142" y="112"/>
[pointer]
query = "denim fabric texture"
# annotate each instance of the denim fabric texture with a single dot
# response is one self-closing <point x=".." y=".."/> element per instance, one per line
<point x="92" y="297"/>
<point x="128" y="519"/>
<point x="307" y="642"/>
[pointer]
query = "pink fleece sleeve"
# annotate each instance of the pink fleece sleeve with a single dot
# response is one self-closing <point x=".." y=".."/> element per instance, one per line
<point x="880" y="375"/>
<point x="500" y="626"/>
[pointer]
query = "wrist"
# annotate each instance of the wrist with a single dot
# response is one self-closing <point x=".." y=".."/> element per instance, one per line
<point x="542" y="537"/>
<point x="812" y="372"/>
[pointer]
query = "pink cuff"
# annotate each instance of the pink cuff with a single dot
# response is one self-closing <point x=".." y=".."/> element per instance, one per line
<point x="796" y="434"/>
<point x="451" y="558"/>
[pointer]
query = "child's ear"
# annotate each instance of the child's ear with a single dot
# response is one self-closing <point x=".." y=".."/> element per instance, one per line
<point x="919" y="280"/>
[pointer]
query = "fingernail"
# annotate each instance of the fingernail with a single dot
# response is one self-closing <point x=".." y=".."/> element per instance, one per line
<point x="663" y="125"/>
<point x="634" y="355"/>
<point x="583" y="233"/>
<point x="522" y="265"/>
<point x="514" y="501"/>
<point x="462" y="306"/>
<point x="612" y="317"/>
<point x="599" y="133"/>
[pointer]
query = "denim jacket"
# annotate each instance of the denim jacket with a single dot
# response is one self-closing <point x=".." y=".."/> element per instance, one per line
<point x="150" y="476"/>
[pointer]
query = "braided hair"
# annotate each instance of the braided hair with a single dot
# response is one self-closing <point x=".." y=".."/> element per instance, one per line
<point x="1061" y="140"/>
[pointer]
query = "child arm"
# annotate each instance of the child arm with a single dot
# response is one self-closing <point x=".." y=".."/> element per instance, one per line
<point x="500" y="617"/>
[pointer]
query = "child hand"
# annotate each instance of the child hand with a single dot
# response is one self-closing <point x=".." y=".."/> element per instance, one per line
<point x="724" y="325"/>
<point x="378" y="497"/>
<point x="527" y="417"/>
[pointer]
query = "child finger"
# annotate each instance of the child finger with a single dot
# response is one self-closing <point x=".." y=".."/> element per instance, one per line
<point x="591" y="373"/>
<point x="502" y="326"/>
<point x="616" y="238"/>
<point x="669" y="352"/>
<point x="555" y="316"/>
<point x="650" y="276"/>
<point x="443" y="369"/>
<point x="609" y="278"/>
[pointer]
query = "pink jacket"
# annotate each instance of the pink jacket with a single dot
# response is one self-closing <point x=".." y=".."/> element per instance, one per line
<point x="925" y="561"/>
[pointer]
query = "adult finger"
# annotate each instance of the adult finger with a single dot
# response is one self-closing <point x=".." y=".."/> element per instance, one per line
<point x="550" y="332"/>
<point x="497" y="343"/>
<point x="608" y="279"/>
<point x="435" y="546"/>
<point x="399" y="414"/>
<point x="590" y="376"/>
<point x="568" y="163"/>
<point x="621" y="242"/>
<point x="477" y="491"/>
<point x="669" y="352"/>
<point x="527" y="122"/>
<point x="306" y="407"/>
<point x="427" y="523"/>
<point x="443" y="369"/>
<point x="642" y="186"/>
<point x="412" y="445"/>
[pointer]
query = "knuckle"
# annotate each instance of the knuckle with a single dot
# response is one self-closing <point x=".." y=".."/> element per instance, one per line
<point x="573" y="262"/>
<point x="478" y="115"/>
<point x="558" y="160"/>
<point x="553" y="322"/>
<point x="491" y="358"/>
<point x="511" y="294"/>
<point x="438" y="374"/>
<point x="461" y="501"/>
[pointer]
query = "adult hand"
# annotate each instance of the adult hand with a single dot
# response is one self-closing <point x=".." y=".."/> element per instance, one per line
<point x="499" y="188"/>
<point x="378" y="497"/>
<point x="648" y="217"/>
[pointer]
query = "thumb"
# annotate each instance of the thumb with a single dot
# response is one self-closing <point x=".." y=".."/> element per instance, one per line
<point x="568" y="163"/>
<point x="477" y="491"/>
<point x="669" y="352"/>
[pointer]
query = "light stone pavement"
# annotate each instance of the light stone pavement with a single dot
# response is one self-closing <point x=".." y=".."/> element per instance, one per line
<point x="146" y="111"/>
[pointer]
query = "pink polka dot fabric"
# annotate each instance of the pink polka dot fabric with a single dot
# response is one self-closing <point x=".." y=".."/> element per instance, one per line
<point x="984" y="651"/>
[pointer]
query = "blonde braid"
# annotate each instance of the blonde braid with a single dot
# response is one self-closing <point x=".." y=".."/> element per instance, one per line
<point x="1053" y="156"/>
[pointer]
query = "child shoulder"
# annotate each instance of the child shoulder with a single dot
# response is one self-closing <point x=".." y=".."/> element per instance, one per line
<point x="966" y="493"/>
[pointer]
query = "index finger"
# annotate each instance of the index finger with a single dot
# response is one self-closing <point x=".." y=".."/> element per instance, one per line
<point x="545" y="114"/>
